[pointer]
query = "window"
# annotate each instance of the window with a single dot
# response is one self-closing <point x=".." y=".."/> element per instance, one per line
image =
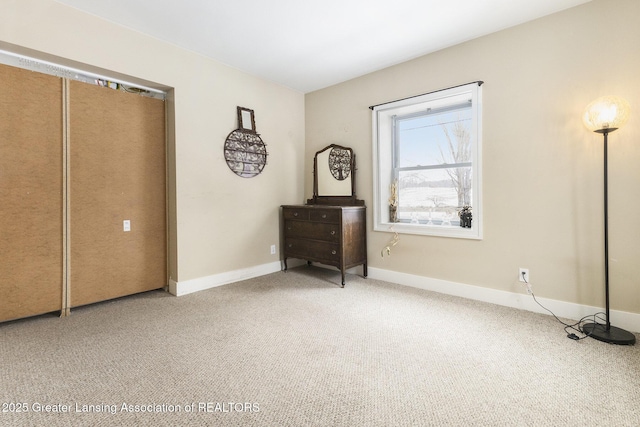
<point x="427" y="163"/>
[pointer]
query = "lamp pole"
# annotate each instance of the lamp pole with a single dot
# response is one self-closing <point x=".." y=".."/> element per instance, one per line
<point x="605" y="132"/>
<point x="606" y="332"/>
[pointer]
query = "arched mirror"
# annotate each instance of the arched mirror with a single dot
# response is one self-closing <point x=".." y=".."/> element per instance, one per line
<point x="334" y="177"/>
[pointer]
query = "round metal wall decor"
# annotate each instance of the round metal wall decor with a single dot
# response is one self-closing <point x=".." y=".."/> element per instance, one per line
<point x="340" y="163"/>
<point x="245" y="153"/>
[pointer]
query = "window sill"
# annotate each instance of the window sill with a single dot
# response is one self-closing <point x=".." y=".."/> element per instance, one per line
<point x="430" y="230"/>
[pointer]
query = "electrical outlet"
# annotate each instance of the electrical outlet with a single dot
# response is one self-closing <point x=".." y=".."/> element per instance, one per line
<point x="523" y="275"/>
<point x="273" y="249"/>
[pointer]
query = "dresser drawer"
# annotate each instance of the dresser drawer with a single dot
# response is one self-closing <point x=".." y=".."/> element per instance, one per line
<point x="296" y="213"/>
<point x="325" y="215"/>
<point x="316" y="250"/>
<point x="312" y="230"/>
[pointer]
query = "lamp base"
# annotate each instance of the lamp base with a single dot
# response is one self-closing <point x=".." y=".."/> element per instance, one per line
<point x="612" y="336"/>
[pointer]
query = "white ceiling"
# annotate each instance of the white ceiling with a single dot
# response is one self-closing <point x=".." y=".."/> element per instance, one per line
<point x="311" y="44"/>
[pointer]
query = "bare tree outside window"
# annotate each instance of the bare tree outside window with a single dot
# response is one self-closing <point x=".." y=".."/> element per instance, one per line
<point x="458" y="151"/>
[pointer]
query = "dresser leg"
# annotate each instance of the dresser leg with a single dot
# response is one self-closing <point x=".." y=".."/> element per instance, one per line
<point x="342" y="271"/>
<point x="364" y="269"/>
<point x="285" y="264"/>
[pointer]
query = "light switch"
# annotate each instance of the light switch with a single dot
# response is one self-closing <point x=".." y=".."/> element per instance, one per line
<point x="126" y="225"/>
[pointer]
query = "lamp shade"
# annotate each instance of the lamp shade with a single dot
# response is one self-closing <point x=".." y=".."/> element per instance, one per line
<point x="607" y="112"/>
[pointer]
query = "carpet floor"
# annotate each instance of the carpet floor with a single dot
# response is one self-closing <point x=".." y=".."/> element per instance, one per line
<point x="294" y="349"/>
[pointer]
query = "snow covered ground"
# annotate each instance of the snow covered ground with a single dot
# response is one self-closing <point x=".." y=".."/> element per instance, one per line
<point x="424" y="204"/>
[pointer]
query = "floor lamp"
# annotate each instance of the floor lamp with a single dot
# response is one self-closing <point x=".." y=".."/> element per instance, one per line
<point x="605" y="115"/>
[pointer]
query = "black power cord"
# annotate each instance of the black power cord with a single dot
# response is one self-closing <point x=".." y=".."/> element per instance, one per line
<point x="570" y="329"/>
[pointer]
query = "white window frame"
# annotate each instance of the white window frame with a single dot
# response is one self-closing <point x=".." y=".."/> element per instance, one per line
<point x="383" y="143"/>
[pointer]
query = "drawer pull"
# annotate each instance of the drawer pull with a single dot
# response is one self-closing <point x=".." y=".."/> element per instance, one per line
<point x="295" y="214"/>
<point x="324" y="215"/>
<point x="290" y="245"/>
<point x="333" y="232"/>
<point x="333" y="252"/>
<point x="289" y="227"/>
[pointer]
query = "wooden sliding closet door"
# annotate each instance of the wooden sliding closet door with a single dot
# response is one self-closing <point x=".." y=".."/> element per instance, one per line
<point x="117" y="173"/>
<point x="31" y="179"/>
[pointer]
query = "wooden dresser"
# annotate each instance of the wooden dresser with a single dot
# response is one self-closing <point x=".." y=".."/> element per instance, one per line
<point x="331" y="235"/>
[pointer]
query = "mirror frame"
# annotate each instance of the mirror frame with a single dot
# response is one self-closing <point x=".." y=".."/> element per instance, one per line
<point x="319" y="199"/>
<point x="246" y="120"/>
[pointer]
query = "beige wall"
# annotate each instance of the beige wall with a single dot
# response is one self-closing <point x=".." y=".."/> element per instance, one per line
<point x="542" y="179"/>
<point x="220" y="222"/>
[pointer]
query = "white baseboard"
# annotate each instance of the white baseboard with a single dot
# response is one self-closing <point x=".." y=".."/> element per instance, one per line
<point x="522" y="301"/>
<point x="208" y="282"/>
<point x="567" y="310"/>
